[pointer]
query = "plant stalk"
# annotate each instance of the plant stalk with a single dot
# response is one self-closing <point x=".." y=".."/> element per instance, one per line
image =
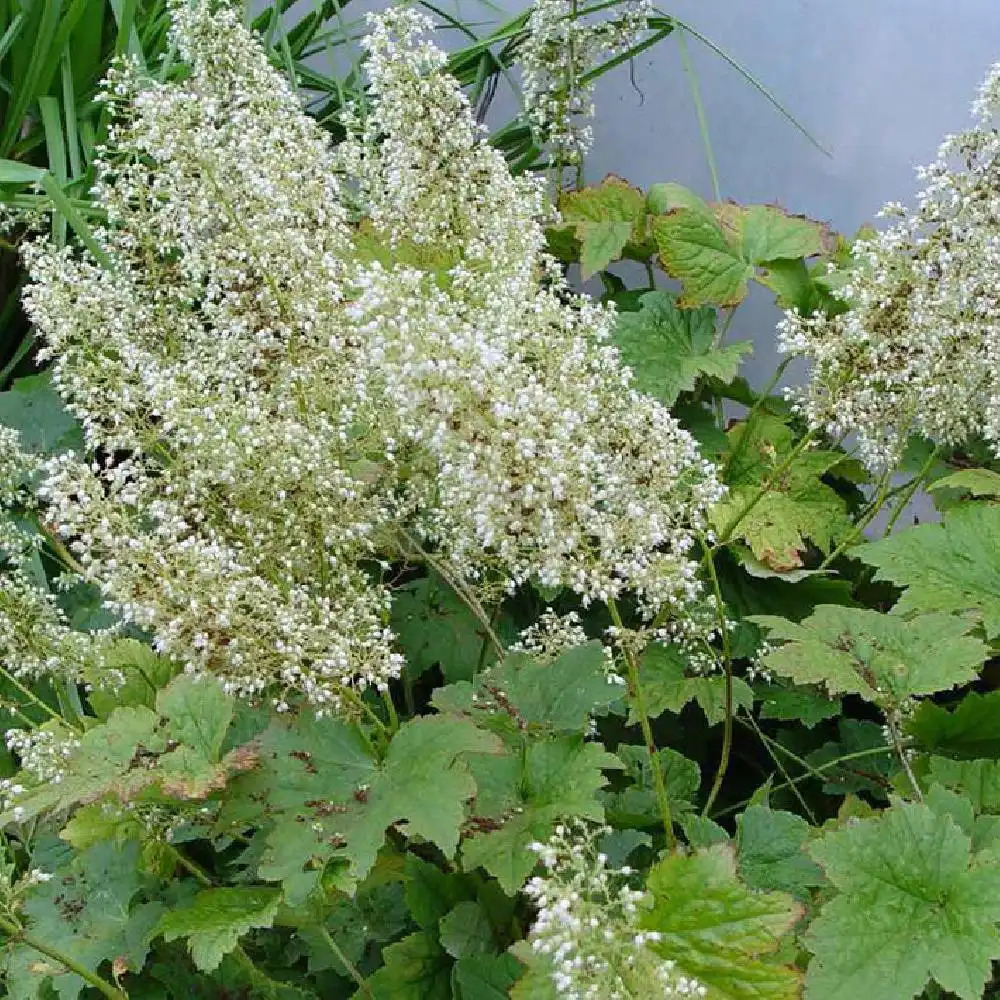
<point x="635" y="690"/>
<point x="91" y="978"/>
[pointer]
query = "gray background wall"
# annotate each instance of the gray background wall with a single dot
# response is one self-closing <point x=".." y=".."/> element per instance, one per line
<point x="878" y="82"/>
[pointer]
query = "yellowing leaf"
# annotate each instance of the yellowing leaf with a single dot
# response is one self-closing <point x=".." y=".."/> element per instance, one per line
<point x="717" y="930"/>
<point x="883" y="658"/>
<point x="695" y="250"/>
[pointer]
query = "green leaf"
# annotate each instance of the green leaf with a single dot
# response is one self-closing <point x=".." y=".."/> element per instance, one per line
<point x="971" y="730"/>
<point x="485" y="977"/>
<point x="714" y="254"/>
<point x="558" y="780"/>
<point x="796" y="508"/>
<point x="978" y="482"/>
<point x="769" y="233"/>
<point x="913" y="905"/>
<point x="796" y="287"/>
<point x="15" y="172"/>
<point x="669" y="348"/>
<point x="883" y="658"/>
<point x="796" y="704"/>
<point x="144" y="674"/>
<point x="978" y="780"/>
<point x="435" y="627"/>
<point x="702" y="832"/>
<point x="665" y="197"/>
<point x="416" y="968"/>
<point x="609" y="221"/>
<point x="87" y="911"/>
<point x="694" y="249"/>
<point x="422" y="787"/>
<point x="215" y="920"/>
<point x="600" y="244"/>
<point x="559" y="695"/>
<point x="635" y="805"/>
<point x="667" y="688"/>
<point x="198" y="713"/>
<point x="952" y="566"/>
<point x="431" y="892"/>
<point x="523" y="692"/>
<point x="719" y="931"/>
<point x="308" y="768"/>
<point x="465" y="931"/>
<point x="33" y="408"/>
<point x="771" y="852"/>
<point x="100" y="765"/>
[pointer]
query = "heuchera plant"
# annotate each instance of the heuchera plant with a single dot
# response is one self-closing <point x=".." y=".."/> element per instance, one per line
<point x="382" y="617"/>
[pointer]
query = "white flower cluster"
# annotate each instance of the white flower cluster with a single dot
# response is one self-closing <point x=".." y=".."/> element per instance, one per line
<point x="35" y="637"/>
<point x="43" y="754"/>
<point x="587" y="928"/>
<point x="563" y="44"/>
<point x="279" y="399"/>
<point x="554" y="634"/>
<point x="918" y="349"/>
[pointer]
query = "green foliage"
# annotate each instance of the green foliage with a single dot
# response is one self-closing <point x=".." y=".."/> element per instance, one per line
<point x="952" y="566"/>
<point x="719" y="931"/>
<point x="33" y="408"/>
<point x="715" y="250"/>
<point x="668" y="686"/>
<point x="884" y="658"/>
<point x="437" y="628"/>
<point x="214" y="921"/>
<point x="92" y="910"/>
<point x="797" y="507"/>
<point x="772" y="852"/>
<point x="670" y="348"/>
<point x="971" y="730"/>
<point x="526" y="797"/>
<point x="913" y="903"/>
<point x="607" y="222"/>
<point x="807" y="802"/>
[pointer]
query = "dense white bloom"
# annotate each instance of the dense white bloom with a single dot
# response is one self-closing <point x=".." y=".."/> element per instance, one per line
<point x="587" y="930"/>
<point x="917" y="350"/>
<point x="563" y="44"/>
<point x="553" y="634"/>
<point x="277" y="399"/>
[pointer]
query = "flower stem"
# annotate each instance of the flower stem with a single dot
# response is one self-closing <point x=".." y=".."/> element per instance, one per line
<point x="911" y="488"/>
<point x="892" y="724"/>
<point x="465" y="595"/>
<point x="765" y="488"/>
<point x="638" y="702"/>
<point x="727" y="659"/>
<point x="16" y="933"/>
<point x="352" y="969"/>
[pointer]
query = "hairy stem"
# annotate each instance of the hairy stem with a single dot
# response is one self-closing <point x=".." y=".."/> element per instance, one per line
<point x="635" y="692"/>
<point x="16" y="933"/>
<point x="727" y="659"/>
<point x="892" y="724"/>
<point x="352" y="969"/>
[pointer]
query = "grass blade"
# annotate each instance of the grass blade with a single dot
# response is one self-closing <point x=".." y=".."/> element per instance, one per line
<point x="69" y="112"/>
<point x="26" y="88"/>
<point x="84" y="233"/>
<point x="753" y="81"/>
